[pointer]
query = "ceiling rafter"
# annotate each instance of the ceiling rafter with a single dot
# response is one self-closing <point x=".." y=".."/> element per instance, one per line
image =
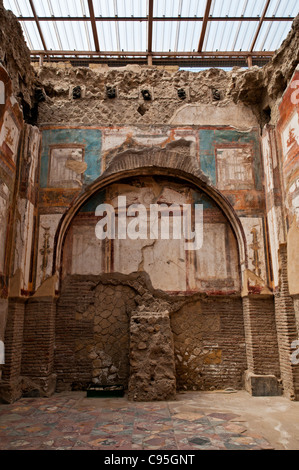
<point x="260" y="25"/>
<point x="204" y="25"/>
<point x="93" y="25"/>
<point x="173" y="61"/>
<point x="38" y="25"/>
<point x="139" y="19"/>
<point x="160" y="54"/>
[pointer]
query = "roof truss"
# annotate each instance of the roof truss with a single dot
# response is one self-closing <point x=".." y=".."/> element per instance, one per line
<point x="250" y="57"/>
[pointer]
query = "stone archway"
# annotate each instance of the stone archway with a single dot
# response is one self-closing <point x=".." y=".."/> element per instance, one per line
<point x="141" y="321"/>
<point x="159" y="162"/>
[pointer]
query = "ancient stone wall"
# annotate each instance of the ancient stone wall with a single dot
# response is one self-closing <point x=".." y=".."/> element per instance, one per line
<point x="93" y="336"/>
<point x="152" y="364"/>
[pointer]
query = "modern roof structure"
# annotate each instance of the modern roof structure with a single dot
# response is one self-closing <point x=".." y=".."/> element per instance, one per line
<point x="188" y="33"/>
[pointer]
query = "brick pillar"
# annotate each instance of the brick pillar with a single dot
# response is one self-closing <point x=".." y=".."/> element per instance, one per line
<point x="286" y="329"/>
<point x="261" y="378"/>
<point x="10" y="386"/>
<point x="38" y="347"/>
<point x="152" y="363"/>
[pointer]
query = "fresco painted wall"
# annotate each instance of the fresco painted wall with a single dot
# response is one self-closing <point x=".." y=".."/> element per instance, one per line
<point x="11" y="124"/>
<point x="72" y="158"/>
<point x="172" y="268"/>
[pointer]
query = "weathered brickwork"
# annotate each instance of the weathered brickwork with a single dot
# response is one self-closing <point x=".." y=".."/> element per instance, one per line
<point x="210" y="344"/>
<point x="39" y="335"/>
<point x="10" y="388"/>
<point x="96" y="346"/>
<point x="286" y="330"/>
<point x="261" y="336"/>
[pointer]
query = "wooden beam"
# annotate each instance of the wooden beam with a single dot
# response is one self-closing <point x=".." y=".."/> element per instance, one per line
<point x="204" y="25"/>
<point x="236" y="54"/>
<point x="38" y="25"/>
<point x="260" y="25"/>
<point x="93" y="25"/>
<point x="170" y="61"/>
<point x="150" y="25"/>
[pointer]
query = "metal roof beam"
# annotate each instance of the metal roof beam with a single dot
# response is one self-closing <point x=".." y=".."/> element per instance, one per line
<point x="38" y="25"/>
<point x="157" y="18"/>
<point x="93" y="25"/>
<point x="204" y="25"/>
<point x="150" y="30"/>
<point x="260" y="25"/>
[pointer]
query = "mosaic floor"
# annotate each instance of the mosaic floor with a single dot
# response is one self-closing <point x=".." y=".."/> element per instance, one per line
<point x="71" y="421"/>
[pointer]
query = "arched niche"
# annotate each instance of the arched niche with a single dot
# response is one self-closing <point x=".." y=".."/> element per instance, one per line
<point x="124" y="171"/>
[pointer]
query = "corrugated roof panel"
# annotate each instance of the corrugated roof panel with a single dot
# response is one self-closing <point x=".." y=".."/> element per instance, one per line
<point x="165" y="36"/>
<point x="229" y="36"/>
<point x="232" y="8"/>
<point x="123" y="8"/>
<point x="69" y="35"/>
<point x="31" y="35"/>
<point x="133" y="36"/>
<point x="189" y="34"/>
<point x="174" y="8"/>
<point x="229" y="32"/>
<point x="127" y="36"/>
<point x="19" y="7"/>
<point x="172" y="36"/>
<point x="168" y="8"/>
<point x="276" y="34"/>
<point x="284" y="8"/>
<point x="255" y="8"/>
<point x="246" y="36"/>
<point x="74" y="8"/>
<point x="281" y="34"/>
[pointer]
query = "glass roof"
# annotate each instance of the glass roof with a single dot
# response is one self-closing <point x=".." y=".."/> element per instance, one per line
<point x="106" y="28"/>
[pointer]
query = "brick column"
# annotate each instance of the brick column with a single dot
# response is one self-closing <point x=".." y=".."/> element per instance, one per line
<point x="261" y="378"/>
<point x="10" y="386"/>
<point x="152" y="364"/>
<point x="286" y="329"/>
<point x="38" y="347"/>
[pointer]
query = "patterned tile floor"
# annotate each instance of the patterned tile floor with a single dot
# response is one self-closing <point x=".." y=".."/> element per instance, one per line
<point x="71" y="421"/>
